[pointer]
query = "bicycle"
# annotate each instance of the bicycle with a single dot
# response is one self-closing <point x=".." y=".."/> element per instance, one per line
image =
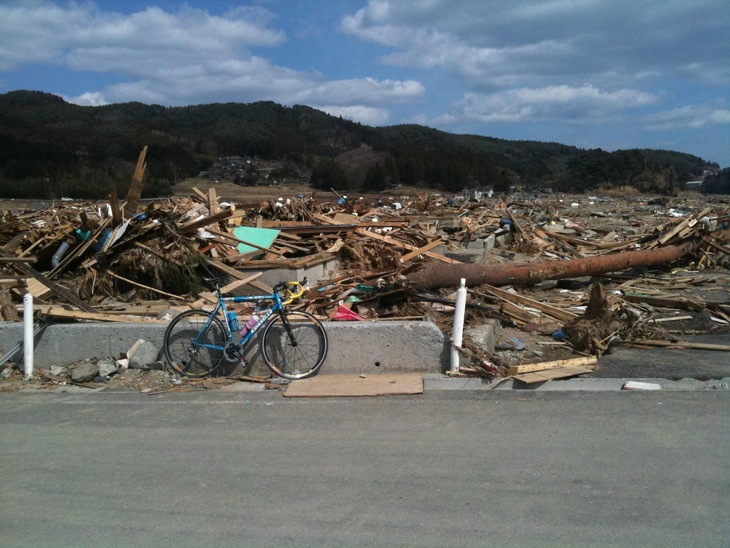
<point x="293" y="343"/>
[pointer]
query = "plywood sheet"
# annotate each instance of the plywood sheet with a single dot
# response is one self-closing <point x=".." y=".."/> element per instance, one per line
<point x="261" y="237"/>
<point x="379" y="384"/>
<point x="550" y="374"/>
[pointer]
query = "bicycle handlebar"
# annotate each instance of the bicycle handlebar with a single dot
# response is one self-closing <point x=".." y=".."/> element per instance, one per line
<point x="294" y="290"/>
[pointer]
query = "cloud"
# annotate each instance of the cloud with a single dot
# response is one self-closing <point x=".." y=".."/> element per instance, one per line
<point x="361" y="89"/>
<point x="554" y="42"/>
<point x="563" y="103"/>
<point x="179" y="58"/>
<point x="358" y="113"/>
<point x="688" y="117"/>
<point x="85" y="38"/>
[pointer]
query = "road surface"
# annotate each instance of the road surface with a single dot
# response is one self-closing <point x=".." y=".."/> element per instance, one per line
<point x="440" y="469"/>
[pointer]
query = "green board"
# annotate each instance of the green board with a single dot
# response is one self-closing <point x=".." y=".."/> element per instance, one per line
<point x="262" y="237"/>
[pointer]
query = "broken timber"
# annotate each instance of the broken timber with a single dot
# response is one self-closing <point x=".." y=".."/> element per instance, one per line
<point x="435" y="276"/>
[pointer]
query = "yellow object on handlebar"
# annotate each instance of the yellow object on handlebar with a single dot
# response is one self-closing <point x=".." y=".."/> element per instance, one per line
<point x="294" y="291"/>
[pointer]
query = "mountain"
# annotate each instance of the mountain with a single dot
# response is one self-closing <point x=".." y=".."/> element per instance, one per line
<point x="51" y="148"/>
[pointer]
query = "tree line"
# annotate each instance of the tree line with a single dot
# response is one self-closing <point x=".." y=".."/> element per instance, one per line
<point x="50" y="148"/>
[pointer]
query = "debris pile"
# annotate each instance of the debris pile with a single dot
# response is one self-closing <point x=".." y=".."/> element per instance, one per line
<point x="560" y="276"/>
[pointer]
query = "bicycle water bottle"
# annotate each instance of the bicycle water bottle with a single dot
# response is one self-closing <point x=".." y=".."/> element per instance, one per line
<point x="250" y="324"/>
<point x="232" y="320"/>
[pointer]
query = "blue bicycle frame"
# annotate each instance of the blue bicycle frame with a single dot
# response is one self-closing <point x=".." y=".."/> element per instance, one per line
<point x="221" y="307"/>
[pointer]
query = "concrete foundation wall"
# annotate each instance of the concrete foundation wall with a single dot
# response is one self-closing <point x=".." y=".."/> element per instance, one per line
<point x="354" y="347"/>
<point x="317" y="273"/>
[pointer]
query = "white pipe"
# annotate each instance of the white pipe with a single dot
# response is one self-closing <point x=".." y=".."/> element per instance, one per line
<point x="28" y="335"/>
<point x="458" y="329"/>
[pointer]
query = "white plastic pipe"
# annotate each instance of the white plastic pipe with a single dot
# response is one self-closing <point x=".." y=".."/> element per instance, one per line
<point x="458" y="329"/>
<point x="28" y="335"/>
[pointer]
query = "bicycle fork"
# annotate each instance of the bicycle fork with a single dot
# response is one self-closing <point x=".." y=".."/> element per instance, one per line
<point x="289" y="332"/>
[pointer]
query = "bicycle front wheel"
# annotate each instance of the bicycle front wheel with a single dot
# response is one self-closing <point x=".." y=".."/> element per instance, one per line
<point x="194" y="343"/>
<point x="294" y="344"/>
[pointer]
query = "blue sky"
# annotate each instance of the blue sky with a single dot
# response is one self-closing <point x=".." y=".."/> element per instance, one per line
<point x="590" y="73"/>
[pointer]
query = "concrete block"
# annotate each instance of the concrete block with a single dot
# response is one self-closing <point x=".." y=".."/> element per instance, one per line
<point x="142" y="354"/>
<point x="485" y="335"/>
<point x="354" y="347"/>
<point x="314" y="273"/>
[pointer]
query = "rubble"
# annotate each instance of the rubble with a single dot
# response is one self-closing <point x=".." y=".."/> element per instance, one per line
<point x="561" y="279"/>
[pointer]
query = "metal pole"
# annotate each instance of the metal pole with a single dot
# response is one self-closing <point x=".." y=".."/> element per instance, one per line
<point x="458" y="330"/>
<point x="28" y="335"/>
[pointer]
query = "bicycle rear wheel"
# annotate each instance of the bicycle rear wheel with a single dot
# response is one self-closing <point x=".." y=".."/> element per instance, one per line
<point x="191" y="348"/>
<point x="297" y="356"/>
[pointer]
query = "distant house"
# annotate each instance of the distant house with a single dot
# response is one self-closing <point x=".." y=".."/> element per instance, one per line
<point x="693" y="185"/>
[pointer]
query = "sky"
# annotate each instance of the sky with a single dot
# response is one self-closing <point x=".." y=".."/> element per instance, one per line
<point x="610" y="74"/>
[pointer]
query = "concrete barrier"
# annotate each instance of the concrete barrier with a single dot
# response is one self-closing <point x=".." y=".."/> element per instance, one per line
<point x="354" y="347"/>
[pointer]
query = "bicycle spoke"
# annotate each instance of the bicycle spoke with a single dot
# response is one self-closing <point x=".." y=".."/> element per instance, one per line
<point x="297" y="356"/>
<point x="191" y="348"/>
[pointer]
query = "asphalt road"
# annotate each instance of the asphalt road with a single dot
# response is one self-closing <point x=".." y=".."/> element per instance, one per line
<point x="441" y="469"/>
<point x="665" y="363"/>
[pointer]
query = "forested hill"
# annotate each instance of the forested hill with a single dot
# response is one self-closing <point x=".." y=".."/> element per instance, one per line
<point x="51" y="148"/>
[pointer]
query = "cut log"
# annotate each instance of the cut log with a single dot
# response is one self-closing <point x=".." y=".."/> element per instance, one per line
<point x="435" y="276"/>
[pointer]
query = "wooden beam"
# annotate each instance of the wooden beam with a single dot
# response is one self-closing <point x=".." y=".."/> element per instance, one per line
<point x="404" y="245"/>
<point x="201" y="223"/>
<point x="135" y="189"/>
<point x="557" y="313"/>
<point x="543" y="366"/>
<point x="551" y="374"/>
<point x="56" y="288"/>
<point x="680" y="344"/>
<point x="137" y="284"/>
<point x="59" y="312"/>
<point x="420" y="251"/>
<point x="213" y="298"/>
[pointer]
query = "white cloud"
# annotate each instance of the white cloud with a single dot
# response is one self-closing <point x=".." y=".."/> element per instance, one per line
<point x="357" y="113"/>
<point x="494" y="44"/>
<point x="547" y="103"/>
<point x="368" y="90"/>
<point x="89" y="99"/>
<point x="181" y="58"/>
<point x="688" y="117"/>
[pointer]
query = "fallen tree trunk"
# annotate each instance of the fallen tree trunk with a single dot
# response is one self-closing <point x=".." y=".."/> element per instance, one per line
<point x="436" y="275"/>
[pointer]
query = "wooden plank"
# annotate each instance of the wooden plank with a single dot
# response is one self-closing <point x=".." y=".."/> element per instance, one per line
<point x="397" y="243"/>
<point x="142" y="286"/>
<point x="421" y="250"/>
<point x="688" y="222"/>
<point x="209" y="297"/>
<point x="680" y="344"/>
<point x="557" y="313"/>
<point x="135" y="189"/>
<point x="201" y="223"/>
<point x="240" y="275"/>
<point x="18" y="259"/>
<point x="542" y="366"/>
<point x="213" y="201"/>
<point x="56" y="288"/>
<point x="686" y="303"/>
<point x="199" y="194"/>
<point x="343" y="385"/>
<point x="38" y="289"/>
<point x="551" y="374"/>
<point x="59" y="312"/>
